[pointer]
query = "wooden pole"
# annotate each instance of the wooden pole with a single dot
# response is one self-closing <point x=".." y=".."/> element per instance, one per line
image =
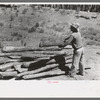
<point x="8" y="74"/>
<point x="38" y="70"/>
<point x="7" y="66"/>
<point x="40" y="75"/>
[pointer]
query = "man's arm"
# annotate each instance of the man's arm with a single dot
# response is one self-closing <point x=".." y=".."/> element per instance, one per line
<point x="67" y="41"/>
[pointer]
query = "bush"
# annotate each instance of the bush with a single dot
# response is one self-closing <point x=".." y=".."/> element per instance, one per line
<point x="16" y="36"/>
<point x="24" y="11"/>
<point x="57" y="28"/>
<point x="42" y="23"/>
<point x="57" y="9"/>
<point x="36" y="24"/>
<point x="62" y="12"/>
<point x="93" y="36"/>
<point x="90" y="42"/>
<point x="32" y="29"/>
<point x="1" y="24"/>
<point x="12" y="18"/>
<point x="40" y="30"/>
<point x="32" y="13"/>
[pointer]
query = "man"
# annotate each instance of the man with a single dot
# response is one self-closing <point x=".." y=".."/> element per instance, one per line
<point x="75" y="40"/>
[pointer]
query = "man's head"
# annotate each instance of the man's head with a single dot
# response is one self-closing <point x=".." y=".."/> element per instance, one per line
<point x="74" y="27"/>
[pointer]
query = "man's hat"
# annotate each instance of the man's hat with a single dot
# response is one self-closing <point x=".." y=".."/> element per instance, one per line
<point x="75" y="25"/>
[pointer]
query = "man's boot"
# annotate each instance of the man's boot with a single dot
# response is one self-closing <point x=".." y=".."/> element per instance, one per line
<point x="72" y="73"/>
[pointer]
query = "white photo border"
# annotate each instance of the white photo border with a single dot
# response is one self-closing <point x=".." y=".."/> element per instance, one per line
<point x="42" y="89"/>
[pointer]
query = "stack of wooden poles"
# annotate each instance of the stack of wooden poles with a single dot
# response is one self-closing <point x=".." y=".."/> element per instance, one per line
<point x="31" y="63"/>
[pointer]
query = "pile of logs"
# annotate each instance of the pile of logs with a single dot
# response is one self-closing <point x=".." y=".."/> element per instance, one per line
<point x="32" y="63"/>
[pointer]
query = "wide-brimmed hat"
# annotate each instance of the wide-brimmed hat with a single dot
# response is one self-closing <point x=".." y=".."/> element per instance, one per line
<point x="75" y="25"/>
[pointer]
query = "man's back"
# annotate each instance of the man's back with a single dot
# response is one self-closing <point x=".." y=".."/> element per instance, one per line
<point x="77" y="40"/>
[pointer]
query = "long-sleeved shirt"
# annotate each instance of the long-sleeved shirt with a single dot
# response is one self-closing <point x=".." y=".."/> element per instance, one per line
<point x="75" y="40"/>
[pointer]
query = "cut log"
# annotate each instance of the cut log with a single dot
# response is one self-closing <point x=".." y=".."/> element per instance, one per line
<point x="8" y="74"/>
<point x="15" y="49"/>
<point x="7" y="66"/>
<point x="44" y="74"/>
<point x="36" y="55"/>
<point x="37" y="70"/>
<point x="9" y="61"/>
<point x="19" y="69"/>
<point x="10" y="70"/>
<point x="46" y="43"/>
<point x="9" y="54"/>
<point x="14" y="57"/>
<point x="47" y="52"/>
<point x="24" y="48"/>
<point x="21" y="55"/>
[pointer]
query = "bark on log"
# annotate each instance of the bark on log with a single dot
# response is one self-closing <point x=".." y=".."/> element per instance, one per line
<point x="8" y="74"/>
<point x="38" y="70"/>
<point x="40" y="75"/>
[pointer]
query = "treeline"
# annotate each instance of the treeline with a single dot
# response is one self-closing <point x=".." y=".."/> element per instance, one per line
<point x="90" y="8"/>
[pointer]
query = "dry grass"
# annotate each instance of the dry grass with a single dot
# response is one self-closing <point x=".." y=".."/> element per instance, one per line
<point x="51" y="23"/>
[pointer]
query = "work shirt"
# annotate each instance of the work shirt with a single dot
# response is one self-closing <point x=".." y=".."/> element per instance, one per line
<point x="75" y="40"/>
